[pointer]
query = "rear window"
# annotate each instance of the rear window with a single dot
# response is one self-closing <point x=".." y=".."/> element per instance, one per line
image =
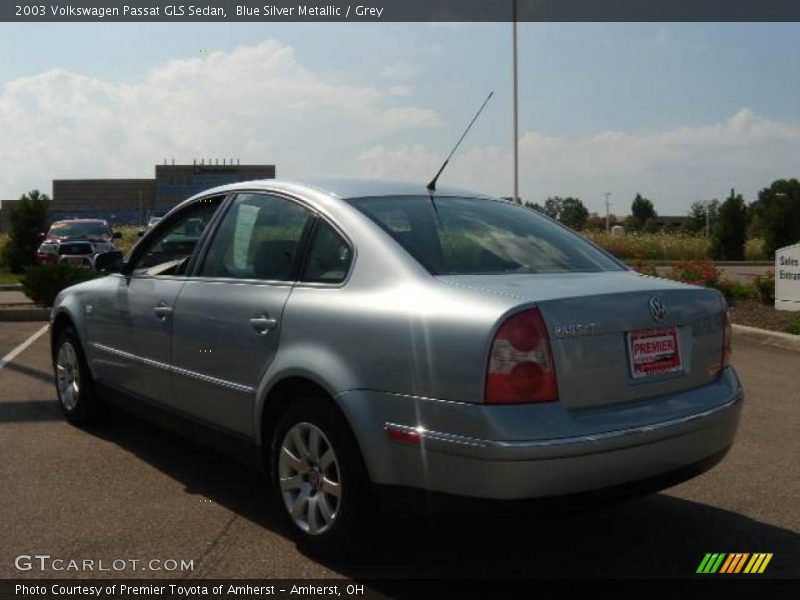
<point x="460" y="236"/>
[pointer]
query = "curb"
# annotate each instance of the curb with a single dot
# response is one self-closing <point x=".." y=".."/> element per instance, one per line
<point x="11" y="287"/>
<point x="764" y="337"/>
<point x="34" y="313"/>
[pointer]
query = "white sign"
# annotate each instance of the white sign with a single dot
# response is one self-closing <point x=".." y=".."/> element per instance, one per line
<point x="787" y="278"/>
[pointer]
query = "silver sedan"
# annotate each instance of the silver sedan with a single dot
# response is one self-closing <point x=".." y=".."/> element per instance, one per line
<point x="360" y="336"/>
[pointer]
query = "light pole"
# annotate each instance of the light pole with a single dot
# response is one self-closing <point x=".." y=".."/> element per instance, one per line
<point x="608" y="212"/>
<point x="515" y="94"/>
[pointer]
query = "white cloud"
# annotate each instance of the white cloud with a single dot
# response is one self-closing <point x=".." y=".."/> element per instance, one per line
<point x="673" y="167"/>
<point x="400" y="70"/>
<point x="400" y="90"/>
<point x="259" y="103"/>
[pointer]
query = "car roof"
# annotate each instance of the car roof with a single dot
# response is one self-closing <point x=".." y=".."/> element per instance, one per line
<point x="348" y="188"/>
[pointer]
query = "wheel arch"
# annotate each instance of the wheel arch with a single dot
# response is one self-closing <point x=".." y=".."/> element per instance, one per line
<point x="279" y="396"/>
<point x="61" y="320"/>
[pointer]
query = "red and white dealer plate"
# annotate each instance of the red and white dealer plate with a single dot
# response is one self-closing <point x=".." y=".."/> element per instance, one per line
<point x="653" y="352"/>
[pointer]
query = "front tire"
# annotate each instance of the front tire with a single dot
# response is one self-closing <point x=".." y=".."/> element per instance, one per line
<point x="319" y="478"/>
<point x="74" y="383"/>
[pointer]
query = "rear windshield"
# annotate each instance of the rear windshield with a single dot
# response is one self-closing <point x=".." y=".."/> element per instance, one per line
<point x="460" y="236"/>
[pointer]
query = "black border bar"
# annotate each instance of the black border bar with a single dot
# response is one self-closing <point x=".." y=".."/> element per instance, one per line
<point x="399" y="10"/>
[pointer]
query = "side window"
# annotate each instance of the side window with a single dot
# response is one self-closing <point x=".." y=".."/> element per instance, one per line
<point x="258" y="238"/>
<point x="328" y="258"/>
<point x="168" y="252"/>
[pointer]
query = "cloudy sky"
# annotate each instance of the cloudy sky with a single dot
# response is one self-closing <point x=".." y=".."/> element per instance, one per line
<point x="678" y="112"/>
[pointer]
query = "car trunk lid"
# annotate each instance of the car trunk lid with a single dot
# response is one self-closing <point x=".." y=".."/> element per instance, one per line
<point x="590" y="316"/>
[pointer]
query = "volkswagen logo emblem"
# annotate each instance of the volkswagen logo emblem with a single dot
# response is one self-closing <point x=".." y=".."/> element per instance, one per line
<point x="658" y="308"/>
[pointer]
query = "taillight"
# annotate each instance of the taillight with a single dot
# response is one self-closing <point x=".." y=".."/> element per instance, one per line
<point x="521" y="367"/>
<point x="727" y="333"/>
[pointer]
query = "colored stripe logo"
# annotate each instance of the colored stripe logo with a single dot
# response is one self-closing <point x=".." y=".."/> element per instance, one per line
<point x="734" y="562"/>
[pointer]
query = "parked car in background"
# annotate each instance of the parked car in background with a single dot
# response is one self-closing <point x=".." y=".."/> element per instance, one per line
<point x="76" y="241"/>
<point x="367" y="336"/>
<point x="151" y="222"/>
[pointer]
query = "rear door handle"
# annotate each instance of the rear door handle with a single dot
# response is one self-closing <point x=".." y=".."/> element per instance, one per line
<point x="162" y="311"/>
<point x="262" y="324"/>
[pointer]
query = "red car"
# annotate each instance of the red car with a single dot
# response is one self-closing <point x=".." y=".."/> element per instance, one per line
<point x="77" y="241"/>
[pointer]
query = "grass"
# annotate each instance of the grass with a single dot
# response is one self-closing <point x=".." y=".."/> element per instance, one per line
<point x="7" y="277"/>
<point x="664" y="246"/>
<point x="129" y="237"/>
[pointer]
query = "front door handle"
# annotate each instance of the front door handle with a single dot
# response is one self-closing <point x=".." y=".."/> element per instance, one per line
<point x="262" y="324"/>
<point x="162" y="311"/>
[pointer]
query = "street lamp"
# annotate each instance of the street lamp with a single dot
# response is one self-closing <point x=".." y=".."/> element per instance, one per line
<point x="515" y="95"/>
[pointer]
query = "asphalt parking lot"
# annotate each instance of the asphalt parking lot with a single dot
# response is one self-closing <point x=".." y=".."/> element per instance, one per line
<point x="127" y="490"/>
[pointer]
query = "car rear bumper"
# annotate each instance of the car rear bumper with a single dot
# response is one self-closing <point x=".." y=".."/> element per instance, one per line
<point x="639" y="442"/>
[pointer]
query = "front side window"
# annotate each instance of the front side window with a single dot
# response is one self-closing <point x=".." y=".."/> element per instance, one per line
<point x="329" y="256"/>
<point x="258" y="238"/>
<point x="460" y="236"/>
<point x="167" y="250"/>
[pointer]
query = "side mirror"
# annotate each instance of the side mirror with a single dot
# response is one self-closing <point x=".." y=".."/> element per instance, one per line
<point x="117" y="235"/>
<point x="109" y="262"/>
<point x="140" y="233"/>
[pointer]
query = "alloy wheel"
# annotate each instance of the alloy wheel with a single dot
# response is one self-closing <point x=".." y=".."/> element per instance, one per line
<point x="309" y="478"/>
<point x="68" y="376"/>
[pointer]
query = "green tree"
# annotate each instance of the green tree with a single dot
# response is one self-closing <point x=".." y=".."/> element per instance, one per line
<point x="650" y="226"/>
<point x="27" y="219"/>
<point x="569" y="211"/>
<point x="534" y="205"/>
<point x="697" y="215"/>
<point x="778" y="213"/>
<point x="573" y="213"/>
<point x="552" y="207"/>
<point x="641" y="210"/>
<point x="730" y="231"/>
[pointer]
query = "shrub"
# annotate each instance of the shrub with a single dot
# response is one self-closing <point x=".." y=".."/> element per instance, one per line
<point x="28" y="220"/>
<point x="793" y="327"/>
<point x="42" y="284"/>
<point x="645" y="268"/>
<point x="737" y="289"/>
<point x="697" y="272"/>
<point x="765" y="285"/>
<point x="754" y="250"/>
<point x="3" y="242"/>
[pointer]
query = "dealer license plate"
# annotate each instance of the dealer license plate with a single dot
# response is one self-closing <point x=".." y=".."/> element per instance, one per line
<point x="653" y="352"/>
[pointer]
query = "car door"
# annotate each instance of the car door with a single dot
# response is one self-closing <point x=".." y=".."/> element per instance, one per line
<point x="131" y="320"/>
<point x="228" y="315"/>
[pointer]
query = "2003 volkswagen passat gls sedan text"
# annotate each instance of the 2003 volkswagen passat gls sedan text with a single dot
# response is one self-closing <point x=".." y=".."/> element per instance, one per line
<point x="364" y="334"/>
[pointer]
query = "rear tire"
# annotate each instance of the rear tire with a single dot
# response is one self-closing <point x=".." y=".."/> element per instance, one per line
<point x="319" y="478"/>
<point x="74" y="384"/>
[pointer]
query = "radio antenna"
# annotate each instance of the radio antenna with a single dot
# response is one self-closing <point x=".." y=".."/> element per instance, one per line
<point x="432" y="185"/>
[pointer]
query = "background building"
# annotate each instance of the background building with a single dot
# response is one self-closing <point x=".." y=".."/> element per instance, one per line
<point x="131" y="201"/>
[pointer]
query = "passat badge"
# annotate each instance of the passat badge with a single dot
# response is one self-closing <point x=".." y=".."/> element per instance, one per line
<point x="575" y="330"/>
<point x="658" y="308"/>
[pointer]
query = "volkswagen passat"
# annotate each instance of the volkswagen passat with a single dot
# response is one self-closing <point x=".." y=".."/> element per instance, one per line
<point x="365" y="335"/>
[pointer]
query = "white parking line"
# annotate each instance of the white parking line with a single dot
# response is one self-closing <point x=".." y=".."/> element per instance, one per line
<point x="16" y="351"/>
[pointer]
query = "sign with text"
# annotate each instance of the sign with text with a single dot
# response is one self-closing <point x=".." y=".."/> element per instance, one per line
<point x="787" y="278"/>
